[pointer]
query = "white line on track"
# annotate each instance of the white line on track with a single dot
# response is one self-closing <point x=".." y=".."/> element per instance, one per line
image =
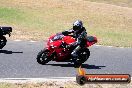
<point x="103" y="46"/>
<point x="94" y="45"/>
<point x="110" y="46"/>
<point x="98" y="45"/>
<point x="17" y="40"/>
<point x="32" y="41"/>
<point x="24" y="80"/>
<point x="37" y="80"/>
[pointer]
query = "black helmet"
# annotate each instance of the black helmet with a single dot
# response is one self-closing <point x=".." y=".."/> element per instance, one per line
<point x="77" y="25"/>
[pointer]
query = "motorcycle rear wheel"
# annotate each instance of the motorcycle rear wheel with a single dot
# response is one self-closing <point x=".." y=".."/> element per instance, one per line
<point x="83" y="56"/>
<point x="42" y="57"/>
<point x="2" y="41"/>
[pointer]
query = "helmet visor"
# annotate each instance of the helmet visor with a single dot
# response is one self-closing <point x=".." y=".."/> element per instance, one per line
<point x="76" y="28"/>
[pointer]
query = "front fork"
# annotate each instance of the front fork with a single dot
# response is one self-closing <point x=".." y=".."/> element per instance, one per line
<point x="52" y="54"/>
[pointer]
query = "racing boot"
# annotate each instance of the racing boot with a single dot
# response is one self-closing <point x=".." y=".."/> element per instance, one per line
<point x="74" y="53"/>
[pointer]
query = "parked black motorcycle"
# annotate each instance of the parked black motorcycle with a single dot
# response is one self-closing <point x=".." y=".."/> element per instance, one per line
<point x="4" y="31"/>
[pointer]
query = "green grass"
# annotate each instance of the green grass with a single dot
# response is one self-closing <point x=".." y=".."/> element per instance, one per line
<point x="19" y="17"/>
<point x="114" y="39"/>
<point x="10" y="14"/>
<point x="38" y="20"/>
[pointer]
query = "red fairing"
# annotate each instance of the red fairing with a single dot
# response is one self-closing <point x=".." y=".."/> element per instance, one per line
<point x="54" y="46"/>
<point x="50" y="39"/>
<point x="66" y="39"/>
<point x="69" y="39"/>
<point x="92" y="42"/>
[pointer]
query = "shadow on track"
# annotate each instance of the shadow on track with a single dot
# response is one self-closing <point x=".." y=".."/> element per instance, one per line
<point x="8" y="52"/>
<point x="86" y="66"/>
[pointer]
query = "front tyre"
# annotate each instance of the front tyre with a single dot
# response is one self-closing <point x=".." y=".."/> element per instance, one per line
<point x="83" y="55"/>
<point x="42" y="57"/>
<point x="2" y="41"/>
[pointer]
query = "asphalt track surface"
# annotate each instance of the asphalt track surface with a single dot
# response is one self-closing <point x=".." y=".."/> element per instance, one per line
<point x="18" y="60"/>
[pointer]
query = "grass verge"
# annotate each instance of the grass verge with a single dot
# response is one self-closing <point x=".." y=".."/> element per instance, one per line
<point x="38" y="20"/>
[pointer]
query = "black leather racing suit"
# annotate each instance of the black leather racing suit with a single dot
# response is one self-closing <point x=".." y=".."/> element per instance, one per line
<point x="80" y="36"/>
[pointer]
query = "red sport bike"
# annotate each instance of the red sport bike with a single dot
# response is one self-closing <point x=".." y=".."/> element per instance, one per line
<point x="57" y="50"/>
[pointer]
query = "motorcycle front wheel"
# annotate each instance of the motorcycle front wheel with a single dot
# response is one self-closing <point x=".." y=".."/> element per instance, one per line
<point x="42" y="57"/>
<point x="2" y="41"/>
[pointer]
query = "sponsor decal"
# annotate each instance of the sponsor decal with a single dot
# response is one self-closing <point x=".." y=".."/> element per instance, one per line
<point x="82" y="77"/>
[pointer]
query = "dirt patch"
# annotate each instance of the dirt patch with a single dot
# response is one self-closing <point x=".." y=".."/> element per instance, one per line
<point x="57" y="84"/>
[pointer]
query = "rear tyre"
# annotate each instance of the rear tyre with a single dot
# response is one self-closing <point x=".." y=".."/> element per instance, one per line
<point x="42" y="57"/>
<point x="83" y="55"/>
<point x="2" y="41"/>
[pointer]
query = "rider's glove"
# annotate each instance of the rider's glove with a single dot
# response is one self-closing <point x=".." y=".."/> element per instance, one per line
<point x="65" y="32"/>
<point x="71" y="45"/>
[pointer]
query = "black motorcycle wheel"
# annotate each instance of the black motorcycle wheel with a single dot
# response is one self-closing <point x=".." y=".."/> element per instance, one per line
<point x="42" y="57"/>
<point x="2" y="41"/>
<point x="83" y="56"/>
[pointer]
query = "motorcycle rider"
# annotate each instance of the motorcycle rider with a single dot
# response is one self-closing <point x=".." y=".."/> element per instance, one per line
<point x="80" y="35"/>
